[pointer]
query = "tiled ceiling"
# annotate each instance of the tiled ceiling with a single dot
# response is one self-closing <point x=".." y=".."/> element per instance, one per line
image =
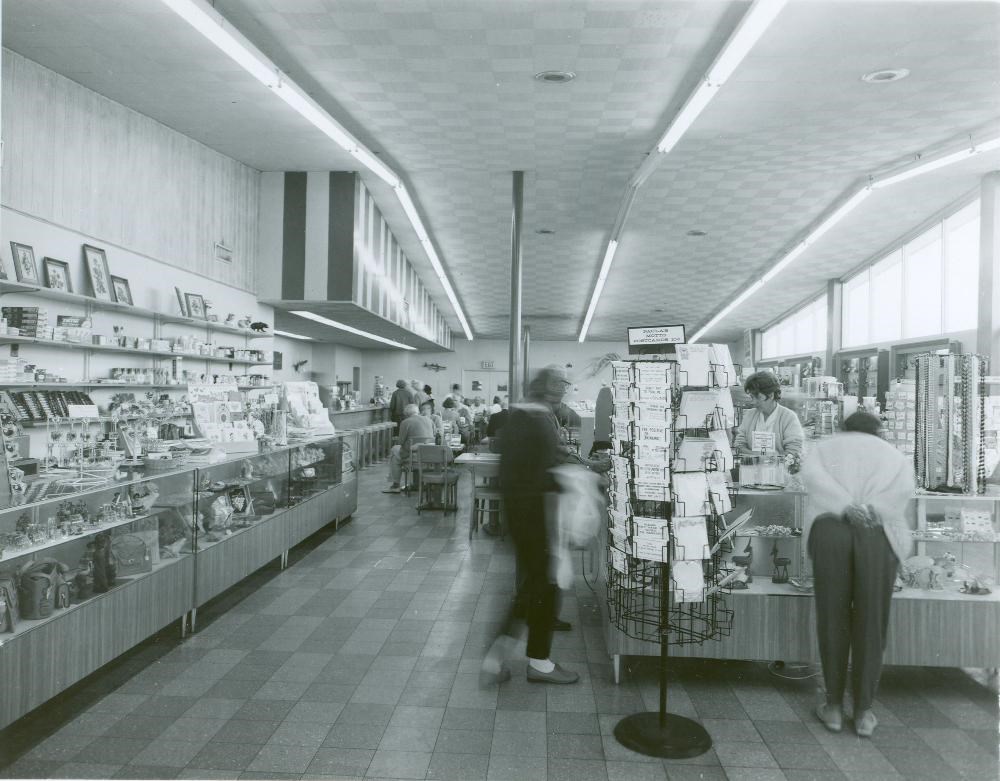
<point x="443" y="90"/>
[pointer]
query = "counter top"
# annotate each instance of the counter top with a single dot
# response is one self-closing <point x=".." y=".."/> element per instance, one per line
<point x="361" y="408"/>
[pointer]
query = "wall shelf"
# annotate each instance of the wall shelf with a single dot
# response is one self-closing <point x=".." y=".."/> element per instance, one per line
<point x="8" y="286"/>
<point x="108" y="348"/>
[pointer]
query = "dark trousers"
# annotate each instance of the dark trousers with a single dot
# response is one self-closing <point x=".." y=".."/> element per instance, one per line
<point x="854" y="568"/>
<point x="537" y="599"/>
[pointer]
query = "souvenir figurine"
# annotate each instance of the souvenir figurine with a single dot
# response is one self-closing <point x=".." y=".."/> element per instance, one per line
<point x="780" y="565"/>
<point x="746" y="560"/>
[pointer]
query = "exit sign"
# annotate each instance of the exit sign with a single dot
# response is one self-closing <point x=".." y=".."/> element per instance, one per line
<point x="486" y="365"/>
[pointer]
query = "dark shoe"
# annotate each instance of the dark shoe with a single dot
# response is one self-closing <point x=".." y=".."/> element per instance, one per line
<point x="558" y="625"/>
<point x="558" y="675"/>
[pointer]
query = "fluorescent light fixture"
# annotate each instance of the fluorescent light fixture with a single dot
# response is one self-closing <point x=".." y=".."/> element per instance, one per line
<point x="750" y="29"/>
<point x="418" y="226"/>
<point x="837" y="215"/>
<point x="350" y="329"/>
<point x="752" y="26"/>
<point x="213" y="26"/>
<point x="778" y="267"/>
<point x="989" y="145"/>
<point x="376" y="166"/>
<point x="206" y="20"/>
<point x="290" y="335"/>
<point x="727" y="309"/>
<point x="609" y="256"/>
<point x="689" y="112"/>
<point x="923" y="168"/>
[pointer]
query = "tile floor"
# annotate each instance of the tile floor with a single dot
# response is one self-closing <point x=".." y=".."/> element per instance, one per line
<point x="361" y="661"/>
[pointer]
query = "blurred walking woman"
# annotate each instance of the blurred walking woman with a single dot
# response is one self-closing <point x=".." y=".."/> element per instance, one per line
<point x="859" y="490"/>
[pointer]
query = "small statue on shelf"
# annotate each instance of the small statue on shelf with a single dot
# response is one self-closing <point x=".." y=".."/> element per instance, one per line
<point x="780" y="565"/>
<point x="745" y="560"/>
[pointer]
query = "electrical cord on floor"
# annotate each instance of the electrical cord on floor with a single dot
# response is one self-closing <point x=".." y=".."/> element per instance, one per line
<point x="773" y="668"/>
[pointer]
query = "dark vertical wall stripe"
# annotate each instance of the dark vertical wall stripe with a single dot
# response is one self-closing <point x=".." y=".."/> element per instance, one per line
<point x="293" y="250"/>
<point x="340" y="267"/>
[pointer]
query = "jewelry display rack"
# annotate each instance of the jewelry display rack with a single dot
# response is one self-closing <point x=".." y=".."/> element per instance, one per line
<point x="648" y="565"/>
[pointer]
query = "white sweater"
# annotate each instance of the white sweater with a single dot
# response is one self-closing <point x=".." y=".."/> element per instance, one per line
<point x="853" y="468"/>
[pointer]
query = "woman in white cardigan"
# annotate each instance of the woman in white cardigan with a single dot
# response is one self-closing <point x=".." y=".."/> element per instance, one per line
<point x="860" y="491"/>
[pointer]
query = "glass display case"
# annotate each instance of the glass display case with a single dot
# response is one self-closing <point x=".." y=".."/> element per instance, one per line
<point x="63" y="549"/>
<point x="89" y="571"/>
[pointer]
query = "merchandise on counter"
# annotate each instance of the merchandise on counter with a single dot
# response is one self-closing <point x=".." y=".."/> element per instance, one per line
<point x="306" y="412"/>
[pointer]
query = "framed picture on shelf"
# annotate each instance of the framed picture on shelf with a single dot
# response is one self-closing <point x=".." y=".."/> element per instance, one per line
<point x="195" y="305"/>
<point x="180" y="301"/>
<point x="122" y="291"/>
<point x="57" y="274"/>
<point x="97" y="270"/>
<point x="24" y="262"/>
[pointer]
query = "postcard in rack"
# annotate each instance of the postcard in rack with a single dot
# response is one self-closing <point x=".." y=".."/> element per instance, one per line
<point x="691" y="454"/>
<point x="690" y="493"/>
<point x="698" y="409"/>
<point x="649" y="431"/>
<point x="722" y="451"/>
<point x="650" y="492"/>
<point x="618" y="561"/>
<point x="689" y="581"/>
<point x="694" y="365"/>
<point x="723" y="370"/>
<point x="650" y="393"/>
<point x="652" y="451"/>
<point x="655" y="528"/>
<point x="690" y="538"/>
<point x="655" y="411"/>
<point x="653" y="472"/>
<point x="621" y="372"/>
<point x="718" y="487"/>
<point x="652" y="373"/>
<point x="650" y="549"/>
<point x="618" y="521"/>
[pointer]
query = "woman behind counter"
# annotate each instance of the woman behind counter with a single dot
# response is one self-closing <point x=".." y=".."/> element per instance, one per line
<point x="768" y="426"/>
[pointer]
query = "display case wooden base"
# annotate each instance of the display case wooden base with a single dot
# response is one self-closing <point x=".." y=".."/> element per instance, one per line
<point x="773" y="622"/>
<point x="45" y="657"/>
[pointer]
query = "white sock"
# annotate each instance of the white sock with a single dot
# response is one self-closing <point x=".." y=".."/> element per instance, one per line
<point x="542" y="665"/>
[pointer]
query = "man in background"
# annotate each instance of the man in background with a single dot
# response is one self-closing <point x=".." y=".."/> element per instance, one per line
<point x="414" y="430"/>
<point x="397" y="403"/>
<point x="419" y="397"/>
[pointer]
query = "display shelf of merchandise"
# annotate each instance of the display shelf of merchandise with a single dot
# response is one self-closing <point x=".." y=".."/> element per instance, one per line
<point x="108" y="348"/>
<point x="762" y="586"/>
<point x="8" y="286"/>
<point x="49" y="544"/>
<point x="48" y="655"/>
<point x="102" y="419"/>
<point x="27" y="625"/>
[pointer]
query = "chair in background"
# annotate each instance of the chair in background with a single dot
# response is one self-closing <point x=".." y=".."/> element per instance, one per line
<point x="410" y="476"/>
<point x="437" y="476"/>
<point x="487" y="499"/>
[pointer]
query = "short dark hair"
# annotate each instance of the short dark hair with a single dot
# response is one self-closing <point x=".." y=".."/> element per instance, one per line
<point x="763" y="382"/>
<point x="449" y="403"/>
<point x="427" y="403"/>
<point x="427" y="389"/>
<point x="863" y="423"/>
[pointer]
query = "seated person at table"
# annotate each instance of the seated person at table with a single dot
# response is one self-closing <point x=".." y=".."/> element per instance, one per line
<point x="414" y="430"/>
<point x="451" y="413"/>
<point x="768" y="426"/>
<point x="427" y="411"/>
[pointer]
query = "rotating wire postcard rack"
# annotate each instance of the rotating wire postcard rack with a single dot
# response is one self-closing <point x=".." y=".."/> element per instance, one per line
<point x="660" y="589"/>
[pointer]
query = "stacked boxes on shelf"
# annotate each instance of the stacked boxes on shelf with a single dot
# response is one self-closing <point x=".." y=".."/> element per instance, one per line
<point x="900" y="427"/>
<point x="28" y="320"/>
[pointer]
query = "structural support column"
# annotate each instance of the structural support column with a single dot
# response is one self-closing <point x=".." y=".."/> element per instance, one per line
<point x="988" y="333"/>
<point x="516" y="376"/>
<point x="834" y="323"/>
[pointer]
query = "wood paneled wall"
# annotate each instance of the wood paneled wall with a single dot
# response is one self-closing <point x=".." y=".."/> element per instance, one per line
<point x="84" y="162"/>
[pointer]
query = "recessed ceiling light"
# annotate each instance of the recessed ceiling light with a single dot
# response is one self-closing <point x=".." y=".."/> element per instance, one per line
<point x="555" y="77"/>
<point x="886" y="75"/>
<point x="545" y="231"/>
<point x="696" y="233"/>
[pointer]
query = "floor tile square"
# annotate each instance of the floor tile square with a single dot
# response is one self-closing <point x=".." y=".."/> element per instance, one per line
<point x="458" y="767"/>
<point x="264" y="710"/>
<point x="225" y="756"/>
<point x="245" y="731"/>
<point x="517" y="768"/>
<point x="319" y="712"/>
<point x="86" y="770"/>
<point x="156" y="772"/>
<point x="300" y="733"/>
<point x="283" y="759"/>
<point x="572" y="723"/>
<point x="520" y="721"/>
<point x="409" y="739"/>
<point x="346" y="762"/>
<point x="562" y="769"/>
<point x="575" y="746"/>
<point x="399" y="764"/>
<point x="461" y="741"/>
<point x="168" y="753"/>
<point x="524" y="744"/>
<point x="363" y="736"/>
<point x="111" y="750"/>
